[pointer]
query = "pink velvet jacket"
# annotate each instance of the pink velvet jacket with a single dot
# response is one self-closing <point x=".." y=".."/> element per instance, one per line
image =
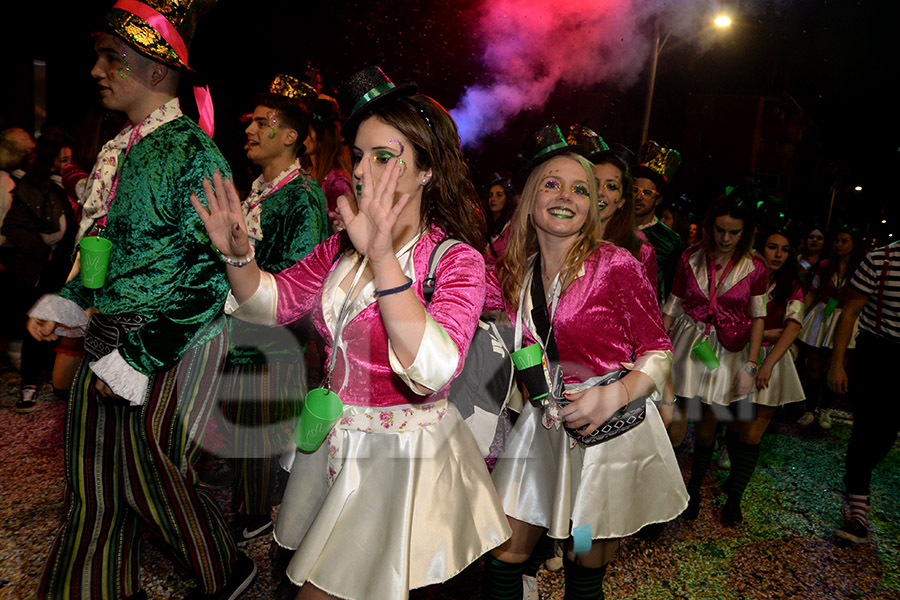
<point x="455" y="306"/>
<point x="606" y="317"/>
<point x="741" y="297"/>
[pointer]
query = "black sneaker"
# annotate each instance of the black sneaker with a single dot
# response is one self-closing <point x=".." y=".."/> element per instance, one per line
<point x="242" y="576"/>
<point x="26" y="402"/>
<point x="854" y="530"/>
<point x="250" y="527"/>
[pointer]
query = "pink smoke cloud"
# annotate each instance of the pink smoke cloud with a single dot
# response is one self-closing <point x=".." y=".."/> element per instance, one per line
<point x="531" y="48"/>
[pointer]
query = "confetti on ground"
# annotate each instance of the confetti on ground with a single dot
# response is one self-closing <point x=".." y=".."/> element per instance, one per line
<point x="784" y="549"/>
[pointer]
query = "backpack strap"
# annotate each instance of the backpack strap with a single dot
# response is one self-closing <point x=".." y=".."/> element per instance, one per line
<point x="436" y="255"/>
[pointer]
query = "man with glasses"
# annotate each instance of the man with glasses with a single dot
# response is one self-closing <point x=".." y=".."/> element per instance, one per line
<point x="655" y="166"/>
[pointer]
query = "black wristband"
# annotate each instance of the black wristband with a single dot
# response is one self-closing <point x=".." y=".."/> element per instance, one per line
<point x="399" y="288"/>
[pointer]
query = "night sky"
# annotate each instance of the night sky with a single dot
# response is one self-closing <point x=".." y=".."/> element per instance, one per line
<point x="836" y="59"/>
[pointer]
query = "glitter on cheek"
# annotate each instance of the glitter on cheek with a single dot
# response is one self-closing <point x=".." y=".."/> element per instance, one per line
<point x="124" y="71"/>
<point x="402" y="166"/>
<point x="273" y="121"/>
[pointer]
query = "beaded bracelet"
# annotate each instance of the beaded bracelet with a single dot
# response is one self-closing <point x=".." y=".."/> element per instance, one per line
<point x="399" y="288"/>
<point x="240" y="262"/>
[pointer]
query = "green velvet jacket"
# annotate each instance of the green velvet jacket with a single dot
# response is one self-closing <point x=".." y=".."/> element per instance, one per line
<point x="162" y="265"/>
<point x="293" y="222"/>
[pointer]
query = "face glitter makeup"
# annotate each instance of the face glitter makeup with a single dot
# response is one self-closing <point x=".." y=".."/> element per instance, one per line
<point x="273" y="121"/>
<point x="124" y="71"/>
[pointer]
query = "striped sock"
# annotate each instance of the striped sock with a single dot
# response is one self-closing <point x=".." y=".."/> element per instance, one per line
<point x="583" y="583"/>
<point x="699" y="467"/>
<point x="540" y="553"/>
<point x="743" y="463"/>
<point x="501" y="580"/>
<point x="859" y="505"/>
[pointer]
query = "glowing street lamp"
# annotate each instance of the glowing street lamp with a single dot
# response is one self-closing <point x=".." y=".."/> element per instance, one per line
<point x="721" y="22"/>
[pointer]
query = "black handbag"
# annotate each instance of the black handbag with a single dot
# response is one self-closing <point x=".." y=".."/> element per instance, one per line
<point x="625" y="419"/>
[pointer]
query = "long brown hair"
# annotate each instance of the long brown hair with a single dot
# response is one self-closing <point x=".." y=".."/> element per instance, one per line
<point x="330" y="153"/>
<point x="737" y="206"/>
<point x="523" y="241"/>
<point x="620" y="227"/>
<point x="449" y="199"/>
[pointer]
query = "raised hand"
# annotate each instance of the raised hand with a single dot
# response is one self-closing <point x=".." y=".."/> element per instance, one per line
<point x="370" y="228"/>
<point x="223" y="220"/>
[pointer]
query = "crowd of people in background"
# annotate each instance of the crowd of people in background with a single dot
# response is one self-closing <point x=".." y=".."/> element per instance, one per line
<point x="224" y="307"/>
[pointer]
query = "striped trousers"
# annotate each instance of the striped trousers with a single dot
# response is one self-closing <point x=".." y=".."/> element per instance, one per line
<point x="128" y="469"/>
<point x="260" y="406"/>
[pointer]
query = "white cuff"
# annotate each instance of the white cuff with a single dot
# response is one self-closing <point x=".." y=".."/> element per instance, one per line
<point x="672" y="306"/>
<point x="435" y="361"/>
<point x="655" y="364"/>
<point x="261" y="307"/>
<point x="71" y="317"/>
<point x="123" y="379"/>
<point x="758" y="306"/>
<point x="794" y="311"/>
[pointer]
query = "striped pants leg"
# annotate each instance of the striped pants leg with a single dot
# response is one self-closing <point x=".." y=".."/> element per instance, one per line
<point x="260" y="406"/>
<point x="129" y="468"/>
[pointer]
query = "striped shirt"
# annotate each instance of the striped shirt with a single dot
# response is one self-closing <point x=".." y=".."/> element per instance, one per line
<point x="867" y="280"/>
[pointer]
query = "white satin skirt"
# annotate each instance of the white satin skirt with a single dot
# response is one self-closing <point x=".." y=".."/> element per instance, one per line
<point x="407" y="509"/>
<point x="784" y="384"/>
<point x="690" y="377"/>
<point x="818" y="328"/>
<point x="616" y="487"/>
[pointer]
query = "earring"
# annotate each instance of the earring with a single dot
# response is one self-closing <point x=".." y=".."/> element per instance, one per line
<point x="424" y="180"/>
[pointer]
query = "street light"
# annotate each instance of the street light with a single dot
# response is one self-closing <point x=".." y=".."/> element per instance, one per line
<point x="721" y="22"/>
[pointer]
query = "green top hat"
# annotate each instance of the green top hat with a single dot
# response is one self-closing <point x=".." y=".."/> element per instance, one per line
<point x="543" y="144"/>
<point x="365" y="89"/>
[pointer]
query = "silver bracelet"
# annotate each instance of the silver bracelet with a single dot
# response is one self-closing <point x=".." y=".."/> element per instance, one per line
<point x="240" y="262"/>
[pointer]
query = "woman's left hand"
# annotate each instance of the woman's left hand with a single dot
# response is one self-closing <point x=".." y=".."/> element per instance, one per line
<point x="763" y="376"/>
<point x="742" y="384"/>
<point x="371" y="226"/>
<point x="593" y="406"/>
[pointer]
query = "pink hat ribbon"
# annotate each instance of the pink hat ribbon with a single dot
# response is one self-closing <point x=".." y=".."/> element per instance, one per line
<point x="168" y="32"/>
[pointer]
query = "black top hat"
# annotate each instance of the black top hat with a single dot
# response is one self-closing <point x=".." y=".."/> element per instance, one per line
<point x="543" y="144"/>
<point x="592" y="145"/>
<point x="365" y="89"/>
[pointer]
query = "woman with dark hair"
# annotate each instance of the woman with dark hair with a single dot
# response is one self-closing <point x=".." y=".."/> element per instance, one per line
<point x="717" y="306"/>
<point x="500" y="206"/>
<point x="598" y="313"/>
<point x="827" y="296"/>
<point x="329" y="159"/>
<point x="811" y="251"/>
<point x="400" y="467"/>
<point x="40" y="226"/>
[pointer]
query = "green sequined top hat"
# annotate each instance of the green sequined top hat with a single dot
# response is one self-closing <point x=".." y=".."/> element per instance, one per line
<point x="293" y="88"/>
<point x="591" y="144"/>
<point x="365" y="89"/>
<point x="140" y="28"/>
<point x="543" y="144"/>
<point x="658" y="164"/>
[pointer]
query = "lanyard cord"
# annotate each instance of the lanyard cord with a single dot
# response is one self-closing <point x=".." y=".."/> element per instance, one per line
<point x="710" y="273"/>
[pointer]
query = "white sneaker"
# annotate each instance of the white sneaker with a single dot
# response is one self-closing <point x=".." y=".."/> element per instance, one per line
<point x="806" y="420"/>
<point x="724" y="461"/>
<point x="530" y="588"/>
<point x="824" y="419"/>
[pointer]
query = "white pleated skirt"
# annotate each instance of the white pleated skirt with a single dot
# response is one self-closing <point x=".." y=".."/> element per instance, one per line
<point x="784" y="384"/>
<point x="616" y="487"/>
<point x="407" y="509"/>
<point x="690" y="377"/>
<point x="818" y="328"/>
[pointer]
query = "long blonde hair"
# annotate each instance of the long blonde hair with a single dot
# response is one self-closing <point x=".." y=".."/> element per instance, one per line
<point x="523" y="241"/>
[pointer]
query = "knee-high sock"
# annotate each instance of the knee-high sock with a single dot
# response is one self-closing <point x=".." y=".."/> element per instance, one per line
<point x="501" y="580"/>
<point x="699" y="466"/>
<point x="538" y="555"/>
<point x="583" y="583"/>
<point x="743" y="463"/>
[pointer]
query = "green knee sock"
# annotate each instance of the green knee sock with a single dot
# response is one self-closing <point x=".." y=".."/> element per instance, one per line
<point x="583" y="583"/>
<point x="501" y="580"/>
<point x="699" y="467"/>
<point x="743" y="463"/>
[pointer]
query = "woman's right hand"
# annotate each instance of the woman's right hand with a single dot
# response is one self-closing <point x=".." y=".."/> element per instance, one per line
<point x="224" y="220"/>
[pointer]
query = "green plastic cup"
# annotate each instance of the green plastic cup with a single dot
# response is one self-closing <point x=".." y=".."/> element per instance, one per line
<point x="533" y="371"/>
<point x="321" y="410"/>
<point x="94" y="261"/>
<point x="704" y="352"/>
<point x="830" y="306"/>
